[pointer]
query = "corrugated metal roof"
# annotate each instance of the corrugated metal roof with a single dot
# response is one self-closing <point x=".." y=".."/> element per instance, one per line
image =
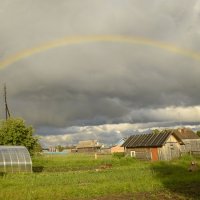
<point x="147" y="140"/>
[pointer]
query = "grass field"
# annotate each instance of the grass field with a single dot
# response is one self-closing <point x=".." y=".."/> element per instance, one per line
<point x="78" y="176"/>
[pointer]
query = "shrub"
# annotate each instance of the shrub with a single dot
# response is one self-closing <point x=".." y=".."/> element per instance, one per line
<point x="118" y="155"/>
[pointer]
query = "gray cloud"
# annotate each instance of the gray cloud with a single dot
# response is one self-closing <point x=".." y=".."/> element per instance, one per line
<point x="106" y="134"/>
<point x="100" y="82"/>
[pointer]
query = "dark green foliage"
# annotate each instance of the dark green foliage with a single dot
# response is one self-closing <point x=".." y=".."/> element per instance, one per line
<point x="14" y="132"/>
<point x="119" y="154"/>
<point x="198" y="133"/>
<point x="60" y="148"/>
<point x="156" y="131"/>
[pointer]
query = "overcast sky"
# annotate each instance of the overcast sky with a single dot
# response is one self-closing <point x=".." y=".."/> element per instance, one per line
<point x="101" y="90"/>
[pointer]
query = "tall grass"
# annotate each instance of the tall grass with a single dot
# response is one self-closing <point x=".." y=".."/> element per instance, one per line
<point x="75" y="177"/>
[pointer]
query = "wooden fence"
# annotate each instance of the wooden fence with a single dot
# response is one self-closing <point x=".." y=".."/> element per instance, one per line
<point x="195" y="153"/>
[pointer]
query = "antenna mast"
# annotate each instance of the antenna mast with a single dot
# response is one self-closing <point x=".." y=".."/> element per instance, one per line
<point x="6" y="105"/>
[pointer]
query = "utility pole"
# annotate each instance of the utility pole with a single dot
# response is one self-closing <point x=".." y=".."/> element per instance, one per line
<point x="6" y="105"/>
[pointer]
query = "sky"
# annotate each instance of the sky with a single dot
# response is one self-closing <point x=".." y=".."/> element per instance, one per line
<point x="85" y="88"/>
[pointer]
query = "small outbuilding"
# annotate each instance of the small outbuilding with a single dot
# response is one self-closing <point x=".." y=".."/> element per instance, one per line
<point x="88" y="146"/>
<point x="117" y="148"/>
<point x="154" y="146"/>
<point x="15" y="159"/>
<point x="190" y="140"/>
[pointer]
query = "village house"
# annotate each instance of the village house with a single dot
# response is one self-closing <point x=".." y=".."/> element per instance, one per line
<point x="154" y="146"/>
<point x="117" y="148"/>
<point x="190" y="140"/>
<point x="88" y="146"/>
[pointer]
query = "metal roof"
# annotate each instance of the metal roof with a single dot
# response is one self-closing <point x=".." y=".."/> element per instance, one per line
<point x="147" y="140"/>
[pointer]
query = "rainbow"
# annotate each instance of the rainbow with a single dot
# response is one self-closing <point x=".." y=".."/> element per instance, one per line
<point x="98" y="38"/>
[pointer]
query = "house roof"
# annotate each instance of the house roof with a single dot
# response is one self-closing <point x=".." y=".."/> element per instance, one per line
<point x="147" y="140"/>
<point x="88" y="144"/>
<point x="185" y="133"/>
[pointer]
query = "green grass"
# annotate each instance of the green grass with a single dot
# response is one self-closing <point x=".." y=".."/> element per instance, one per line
<point x="74" y="177"/>
<point x="71" y="162"/>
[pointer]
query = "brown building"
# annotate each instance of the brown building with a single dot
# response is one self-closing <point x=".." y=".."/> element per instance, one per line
<point x="190" y="140"/>
<point x="161" y="146"/>
<point x="88" y="146"/>
<point x="118" y="148"/>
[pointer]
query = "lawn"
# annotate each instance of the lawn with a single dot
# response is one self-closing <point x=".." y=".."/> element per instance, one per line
<point x="80" y="176"/>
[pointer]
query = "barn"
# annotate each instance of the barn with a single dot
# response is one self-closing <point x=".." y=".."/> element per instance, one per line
<point x="154" y="146"/>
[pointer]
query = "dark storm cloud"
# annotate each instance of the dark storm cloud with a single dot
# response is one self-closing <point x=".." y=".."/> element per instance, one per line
<point x="101" y="90"/>
<point x="100" y="82"/>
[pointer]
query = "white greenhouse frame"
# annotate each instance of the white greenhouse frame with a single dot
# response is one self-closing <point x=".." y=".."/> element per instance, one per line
<point x="15" y="159"/>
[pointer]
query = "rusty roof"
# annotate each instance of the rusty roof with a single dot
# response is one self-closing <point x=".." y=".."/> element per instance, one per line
<point x="147" y="140"/>
<point x="185" y="133"/>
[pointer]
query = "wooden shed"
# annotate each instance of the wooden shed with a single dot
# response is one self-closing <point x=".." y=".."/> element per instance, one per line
<point x="88" y="146"/>
<point x="154" y="146"/>
<point x="190" y="140"/>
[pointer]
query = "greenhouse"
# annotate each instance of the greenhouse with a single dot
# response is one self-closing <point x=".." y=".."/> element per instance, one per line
<point x="15" y="159"/>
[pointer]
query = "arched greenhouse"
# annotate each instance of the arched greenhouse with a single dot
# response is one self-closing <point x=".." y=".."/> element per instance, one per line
<point x="15" y="159"/>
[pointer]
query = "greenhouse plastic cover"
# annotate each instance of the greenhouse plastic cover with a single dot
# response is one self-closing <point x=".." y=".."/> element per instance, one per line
<point x="15" y="159"/>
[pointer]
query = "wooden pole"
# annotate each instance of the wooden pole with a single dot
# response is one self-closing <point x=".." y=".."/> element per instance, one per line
<point x="6" y="105"/>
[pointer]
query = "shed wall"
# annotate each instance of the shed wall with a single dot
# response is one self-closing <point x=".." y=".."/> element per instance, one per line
<point x="190" y="145"/>
<point x="170" y="150"/>
<point x="140" y="153"/>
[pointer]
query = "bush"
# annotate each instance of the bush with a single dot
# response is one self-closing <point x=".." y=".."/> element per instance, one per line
<point x="119" y="155"/>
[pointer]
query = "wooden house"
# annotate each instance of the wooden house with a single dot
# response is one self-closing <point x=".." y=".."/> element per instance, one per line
<point x="117" y="148"/>
<point x="154" y="146"/>
<point x="190" y="140"/>
<point x="88" y="146"/>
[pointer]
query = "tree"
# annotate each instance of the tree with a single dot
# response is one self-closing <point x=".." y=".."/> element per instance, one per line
<point x="156" y="131"/>
<point x="198" y="133"/>
<point x="60" y="148"/>
<point x="14" y="131"/>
